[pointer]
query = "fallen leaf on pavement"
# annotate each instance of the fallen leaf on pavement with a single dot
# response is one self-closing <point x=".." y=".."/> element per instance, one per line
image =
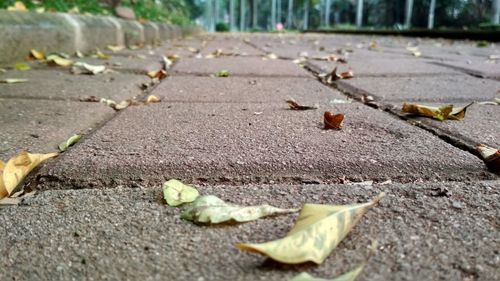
<point x="177" y="193"/>
<point x="222" y="73"/>
<point x="193" y="50"/>
<point x="58" y="60"/>
<point x="157" y="74"/>
<point x="491" y="157"/>
<point x="34" y="54"/>
<point x="69" y="142"/>
<point x="17" y="168"/>
<point x="333" y="121"/>
<point x="373" y="46"/>
<point x="440" y="113"/>
<point x="90" y="99"/>
<point x="295" y="106"/>
<point x="85" y="68"/>
<point x="211" y="209"/>
<point x="496" y="101"/>
<point x="15" y="199"/>
<point x="317" y="232"/>
<point x="79" y="54"/>
<point x="13" y="80"/>
<point x="115" y="48"/>
<point x="173" y="57"/>
<point x="152" y="99"/>
<point x="18" y="7"/>
<point x="3" y="70"/>
<point x="21" y="66"/>
<point x="272" y="56"/>
<point x="167" y="63"/>
<point x="102" y="56"/>
<point x="333" y="76"/>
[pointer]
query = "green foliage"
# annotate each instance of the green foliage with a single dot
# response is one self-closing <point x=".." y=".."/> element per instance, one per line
<point x="222" y="27"/>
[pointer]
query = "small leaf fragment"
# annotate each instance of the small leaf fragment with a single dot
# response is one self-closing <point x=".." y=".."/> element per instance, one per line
<point x="69" y="142"/>
<point x="211" y="209"/>
<point x="458" y="113"/>
<point x="222" y="73"/>
<point x="17" y="168"/>
<point x="37" y="54"/>
<point x="317" y="232"/>
<point x="13" y="80"/>
<point x="116" y="48"/>
<point x="58" y="60"/>
<point x="17" y="7"/>
<point x="348" y="276"/>
<point x="85" y="68"/>
<point x="491" y="157"/>
<point x="333" y="121"/>
<point x="440" y="113"/>
<point x="102" y="56"/>
<point x="152" y="99"/>
<point x="157" y="74"/>
<point x="21" y="66"/>
<point x="177" y="193"/>
<point x="296" y="106"/>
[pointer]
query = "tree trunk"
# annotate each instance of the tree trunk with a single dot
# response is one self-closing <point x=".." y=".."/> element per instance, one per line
<point x="242" y="15"/>
<point x="359" y="13"/>
<point x="496" y="12"/>
<point x="432" y="8"/>
<point x="409" y="11"/>
<point x="254" y="13"/>
<point x="273" y="14"/>
<point x="232" y="22"/>
<point x="279" y="13"/>
<point x="289" y="17"/>
<point x="306" y="14"/>
<point x="327" y="12"/>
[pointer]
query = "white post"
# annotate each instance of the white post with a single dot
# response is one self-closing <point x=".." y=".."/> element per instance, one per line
<point x="232" y="22"/>
<point x="327" y="12"/>
<point x="290" y="14"/>
<point x="432" y="8"/>
<point x="409" y="11"/>
<point x="306" y="14"/>
<point x="496" y="12"/>
<point x="359" y="13"/>
<point x="273" y="14"/>
<point x="242" y="15"/>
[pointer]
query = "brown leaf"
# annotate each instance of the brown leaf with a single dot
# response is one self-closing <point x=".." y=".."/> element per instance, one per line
<point x="333" y="121"/>
<point x="152" y="99"/>
<point x="491" y="157"/>
<point x="295" y="106"/>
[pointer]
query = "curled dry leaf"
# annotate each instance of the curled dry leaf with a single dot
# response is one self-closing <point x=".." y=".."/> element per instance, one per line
<point x="17" y="168"/>
<point x="333" y="121"/>
<point x="222" y="73"/>
<point x="333" y="76"/>
<point x="211" y="209"/>
<point x="177" y="193"/>
<point x="152" y="99"/>
<point x="491" y="157"/>
<point x="157" y="74"/>
<point x="13" y="80"/>
<point x="21" y="66"/>
<point x="58" y="60"/>
<point x="102" y="56"/>
<point x="496" y="101"/>
<point x="317" y="232"/>
<point x="440" y="113"/>
<point x="85" y="68"/>
<point x="295" y="106"/>
<point x="69" y="142"/>
<point x="115" y="48"/>
<point x="37" y="55"/>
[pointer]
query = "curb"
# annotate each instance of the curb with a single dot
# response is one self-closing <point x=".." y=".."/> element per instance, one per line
<point x="60" y="32"/>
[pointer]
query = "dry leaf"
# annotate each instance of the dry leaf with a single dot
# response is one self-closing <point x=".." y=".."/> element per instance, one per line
<point x="69" y="142"/>
<point x="173" y="57"/>
<point x="152" y="99"/>
<point x="177" y="193"/>
<point x="58" y="60"/>
<point x="317" y="232"/>
<point x="13" y="80"/>
<point x="21" y="66"/>
<point x="333" y="76"/>
<point x="222" y="73"/>
<point x="295" y="106"/>
<point x="79" y="54"/>
<point x="100" y="55"/>
<point x="17" y="168"/>
<point x="211" y="209"/>
<point x="440" y="113"/>
<point x="90" y="99"/>
<point x="167" y="63"/>
<point x="491" y="157"/>
<point x="333" y="121"/>
<point x="373" y="46"/>
<point x="85" y="68"/>
<point x="158" y="74"/>
<point x="116" y="48"/>
<point x="37" y="55"/>
<point x="18" y="6"/>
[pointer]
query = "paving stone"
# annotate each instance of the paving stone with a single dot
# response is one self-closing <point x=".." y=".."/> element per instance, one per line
<point x="246" y="90"/>
<point x="240" y="66"/>
<point x="480" y="125"/>
<point x="130" y="234"/>
<point x="40" y="125"/>
<point x="481" y="68"/>
<point x="227" y="142"/>
<point x="443" y="88"/>
<point x="384" y="67"/>
<point x="59" y="84"/>
<point x="139" y="64"/>
<point x="233" y="46"/>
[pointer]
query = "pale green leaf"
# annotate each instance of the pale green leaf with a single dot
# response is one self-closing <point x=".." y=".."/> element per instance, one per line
<point x="348" y="276"/>
<point x="176" y="193"/>
<point x="13" y="80"/>
<point x="222" y="73"/>
<point x="211" y="209"/>
<point x="21" y="66"/>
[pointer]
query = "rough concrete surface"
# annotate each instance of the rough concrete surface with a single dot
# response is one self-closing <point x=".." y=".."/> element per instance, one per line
<point x="441" y="231"/>
<point x="39" y="126"/>
<point x="59" y="84"/>
<point x="240" y="66"/>
<point x="246" y="90"/>
<point x="443" y="88"/>
<point x="481" y="68"/>
<point x="249" y="142"/>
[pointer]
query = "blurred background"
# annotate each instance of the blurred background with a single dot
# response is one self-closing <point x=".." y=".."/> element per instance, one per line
<point x="289" y="15"/>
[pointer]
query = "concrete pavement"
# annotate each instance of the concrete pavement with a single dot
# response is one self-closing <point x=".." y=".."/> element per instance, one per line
<point x="99" y="214"/>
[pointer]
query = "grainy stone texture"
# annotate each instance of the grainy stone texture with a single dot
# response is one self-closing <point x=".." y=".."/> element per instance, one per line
<point x="440" y="231"/>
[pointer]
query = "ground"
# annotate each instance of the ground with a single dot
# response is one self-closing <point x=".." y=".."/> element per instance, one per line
<point x="98" y="212"/>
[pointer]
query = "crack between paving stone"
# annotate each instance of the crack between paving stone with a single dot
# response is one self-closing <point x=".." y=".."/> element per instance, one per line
<point x="467" y="71"/>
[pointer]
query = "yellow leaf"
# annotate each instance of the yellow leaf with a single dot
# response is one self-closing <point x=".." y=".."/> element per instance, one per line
<point x="115" y="48"/>
<point x="21" y="66"/>
<point x="152" y="99"/>
<point x="440" y="113"/>
<point x="18" y="167"/>
<point x="3" y="190"/>
<point x="13" y="80"/>
<point x="57" y="60"/>
<point x="18" y="6"/>
<point x="100" y="55"/>
<point x="317" y="232"/>
<point x="177" y="193"/>
<point x="37" y="55"/>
